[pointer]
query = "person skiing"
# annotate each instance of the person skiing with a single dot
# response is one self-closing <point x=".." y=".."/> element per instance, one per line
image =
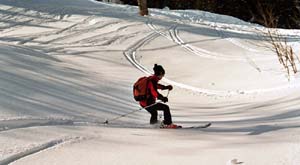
<point x="152" y="94"/>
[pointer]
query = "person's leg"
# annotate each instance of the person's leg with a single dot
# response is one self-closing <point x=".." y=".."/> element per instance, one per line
<point x="153" y="111"/>
<point x="167" y="114"/>
<point x="160" y="107"/>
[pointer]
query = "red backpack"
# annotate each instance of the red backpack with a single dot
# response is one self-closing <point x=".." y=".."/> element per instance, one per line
<point x="140" y="89"/>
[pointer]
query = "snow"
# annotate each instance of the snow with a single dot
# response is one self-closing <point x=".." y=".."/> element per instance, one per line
<point x="67" y="66"/>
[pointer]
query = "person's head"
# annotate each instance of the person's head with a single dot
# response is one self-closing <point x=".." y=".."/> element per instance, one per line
<point x="158" y="71"/>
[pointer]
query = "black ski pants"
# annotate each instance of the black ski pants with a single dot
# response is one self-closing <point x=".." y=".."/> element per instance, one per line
<point x="160" y="107"/>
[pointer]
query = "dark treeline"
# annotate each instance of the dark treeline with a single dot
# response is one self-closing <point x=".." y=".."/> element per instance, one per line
<point x="271" y="13"/>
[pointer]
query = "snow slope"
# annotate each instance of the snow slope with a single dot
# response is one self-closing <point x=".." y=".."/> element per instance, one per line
<point x="67" y="66"/>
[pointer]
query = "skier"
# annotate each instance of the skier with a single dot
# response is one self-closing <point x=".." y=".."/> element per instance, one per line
<point x="153" y="94"/>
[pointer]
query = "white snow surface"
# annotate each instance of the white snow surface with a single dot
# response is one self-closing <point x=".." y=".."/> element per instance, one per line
<point x="69" y="65"/>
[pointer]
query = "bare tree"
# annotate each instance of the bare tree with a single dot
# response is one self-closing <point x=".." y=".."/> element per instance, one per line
<point x="296" y="13"/>
<point x="265" y="14"/>
<point x="143" y="7"/>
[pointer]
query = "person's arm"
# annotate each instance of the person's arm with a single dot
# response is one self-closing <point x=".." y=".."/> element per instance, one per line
<point x="156" y="94"/>
<point x="163" y="87"/>
<point x="160" y="86"/>
<point x="153" y="91"/>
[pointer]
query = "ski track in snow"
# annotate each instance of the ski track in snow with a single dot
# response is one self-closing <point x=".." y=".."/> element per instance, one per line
<point x="174" y="36"/>
<point x="173" y="33"/>
<point x="170" y="33"/>
<point x="75" y="29"/>
<point x="29" y="122"/>
<point x="234" y="41"/>
<point x="130" y="54"/>
<point x="79" y="32"/>
<point x="16" y="18"/>
<point x="26" y="122"/>
<point x="219" y="29"/>
<point x="40" y="148"/>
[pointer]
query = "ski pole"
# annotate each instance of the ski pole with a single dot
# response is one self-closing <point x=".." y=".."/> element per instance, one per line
<point x="118" y="117"/>
<point x="168" y="93"/>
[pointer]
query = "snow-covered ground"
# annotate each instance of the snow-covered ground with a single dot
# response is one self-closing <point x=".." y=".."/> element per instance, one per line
<point x="68" y="65"/>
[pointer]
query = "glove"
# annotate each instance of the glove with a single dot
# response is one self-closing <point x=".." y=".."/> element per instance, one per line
<point x="162" y="98"/>
<point x="170" y="87"/>
<point x="165" y="99"/>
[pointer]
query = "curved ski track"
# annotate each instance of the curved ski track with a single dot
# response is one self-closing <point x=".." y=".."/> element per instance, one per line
<point x="40" y="148"/>
<point x="130" y="54"/>
<point x="174" y="36"/>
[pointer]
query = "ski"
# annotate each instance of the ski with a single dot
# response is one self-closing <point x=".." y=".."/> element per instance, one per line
<point x="190" y="127"/>
<point x="197" y="126"/>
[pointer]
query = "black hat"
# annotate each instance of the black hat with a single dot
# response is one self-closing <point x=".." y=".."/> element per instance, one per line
<point x="158" y="70"/>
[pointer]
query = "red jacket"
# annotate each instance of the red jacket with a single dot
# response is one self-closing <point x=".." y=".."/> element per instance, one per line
<point x="152" y="92"/>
